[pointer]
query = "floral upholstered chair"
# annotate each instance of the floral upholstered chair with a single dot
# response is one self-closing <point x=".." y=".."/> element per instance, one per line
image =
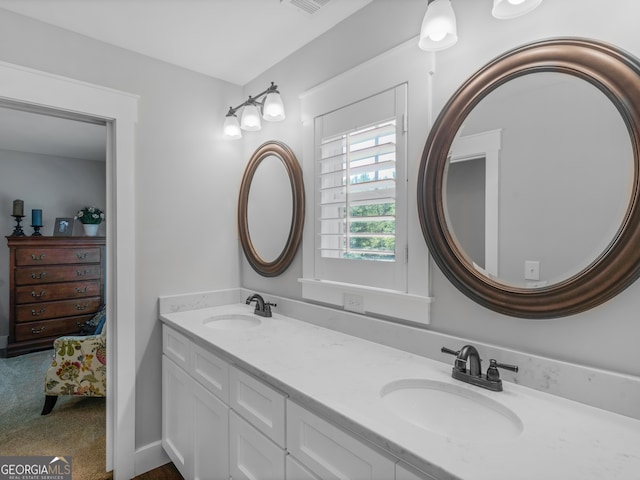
<point x="79" y="366"/>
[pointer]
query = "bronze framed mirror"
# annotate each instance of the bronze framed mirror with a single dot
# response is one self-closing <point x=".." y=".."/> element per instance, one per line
<point x="605" y="265"/>
<point x="271" y="208"/>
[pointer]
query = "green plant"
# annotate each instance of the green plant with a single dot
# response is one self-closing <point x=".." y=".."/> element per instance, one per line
<point x="90" y="215"/>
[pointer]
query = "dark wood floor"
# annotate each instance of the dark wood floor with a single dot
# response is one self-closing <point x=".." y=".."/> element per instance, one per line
<point x="165" y="472"/>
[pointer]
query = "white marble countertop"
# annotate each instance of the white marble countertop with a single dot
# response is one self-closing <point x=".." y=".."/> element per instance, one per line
<point x="342" y="376"/>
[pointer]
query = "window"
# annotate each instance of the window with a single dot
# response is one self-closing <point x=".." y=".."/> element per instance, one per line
<point x="361" y="192"/>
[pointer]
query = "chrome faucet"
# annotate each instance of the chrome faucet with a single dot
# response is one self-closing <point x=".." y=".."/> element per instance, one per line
<point x="473" y="374"/>
<point x="262" y="308"/>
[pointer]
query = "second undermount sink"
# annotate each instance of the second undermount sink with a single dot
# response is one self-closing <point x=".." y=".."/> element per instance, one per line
<point x="232" y="321"/>
<point x="450" y="410"/>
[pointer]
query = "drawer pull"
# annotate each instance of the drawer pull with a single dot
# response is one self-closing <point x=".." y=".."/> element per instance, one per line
<point x="38" y="275"/>
<point x="82" y="273"/>
<point x="35" y="332"/>
<point x="39" y="295"/>
<point x="38" y="313"/>
<point x="82" y="290"/>
<point x="80" y="325"/>
<point x="37" y="257"/>
<point x="82" y="256"/>
<point x="82" y="307"/>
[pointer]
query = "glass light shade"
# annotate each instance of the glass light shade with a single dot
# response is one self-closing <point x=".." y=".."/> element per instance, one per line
<point x="505" y="9"/>
<point x="231" y="128"/>
<point x="273" y="109"/>
<point x="250" y="119"/>
<point x="439" y="29"/>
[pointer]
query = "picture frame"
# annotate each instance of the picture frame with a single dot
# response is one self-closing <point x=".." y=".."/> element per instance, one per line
<point x="63" y="227"/>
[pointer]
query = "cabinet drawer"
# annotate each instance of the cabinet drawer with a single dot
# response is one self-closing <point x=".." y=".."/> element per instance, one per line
<point x="52" y="274"/>
<point x="211" y="371"/>
<point x="406" y="472"/>
<point x="329" y="452"/>
<point x="258" y="403"/>
<point x="56" y="291"/>
<point x="51" y="256"/>
<point x="176" y="346"/>
<point x="252" y="455"/>
<point x="50" y="328"/>
<point x="65" y="308"/>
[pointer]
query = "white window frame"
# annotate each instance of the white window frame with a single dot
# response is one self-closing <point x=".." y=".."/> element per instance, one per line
<point x="401" y="65"/>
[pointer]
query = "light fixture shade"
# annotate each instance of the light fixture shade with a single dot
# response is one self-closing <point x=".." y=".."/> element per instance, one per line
<point x="250" y="119"/>
<point x="439" y="29"/>
<point x="273" y="109"/>
<point x="505" y="9"/>
<point x="231" y="128"/>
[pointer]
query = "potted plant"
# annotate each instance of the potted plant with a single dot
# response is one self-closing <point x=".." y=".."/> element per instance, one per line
<point x="91" y="218"/>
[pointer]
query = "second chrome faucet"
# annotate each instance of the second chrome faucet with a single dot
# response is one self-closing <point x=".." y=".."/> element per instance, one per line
<point x="468" y="368"/>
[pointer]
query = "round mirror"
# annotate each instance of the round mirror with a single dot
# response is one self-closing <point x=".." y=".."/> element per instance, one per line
<point x="528" y="184"/>
<point x="271" y="209"/>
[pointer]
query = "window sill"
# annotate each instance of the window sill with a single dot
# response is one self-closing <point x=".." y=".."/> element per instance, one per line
<point x="361" y="299"/>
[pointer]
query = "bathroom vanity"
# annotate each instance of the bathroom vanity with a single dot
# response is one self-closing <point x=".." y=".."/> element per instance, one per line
<point x="274" y="397"/>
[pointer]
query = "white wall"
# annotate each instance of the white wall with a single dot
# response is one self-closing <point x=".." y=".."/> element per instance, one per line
<point x="58" y="186"/>
<point x="604" y="337"/>
<point x="186" y="181"/>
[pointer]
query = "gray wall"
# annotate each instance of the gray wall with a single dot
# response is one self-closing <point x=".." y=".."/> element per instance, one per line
<point x="186" y="181"/>
<point x="604" y="337"/>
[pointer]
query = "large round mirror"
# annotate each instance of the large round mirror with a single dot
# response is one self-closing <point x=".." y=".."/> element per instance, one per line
<point x="528" y="184"/>
<point x="271" y="208"/>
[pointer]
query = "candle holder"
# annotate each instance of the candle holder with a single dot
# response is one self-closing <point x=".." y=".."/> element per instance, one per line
<point x="17" y="231"/>
<point x="36" y="230"/>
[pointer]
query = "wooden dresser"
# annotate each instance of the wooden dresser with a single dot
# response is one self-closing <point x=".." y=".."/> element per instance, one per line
<point x="56" y="285"/>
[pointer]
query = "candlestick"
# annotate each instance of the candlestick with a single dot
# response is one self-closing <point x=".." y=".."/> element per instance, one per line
<point x="18" y="208"/>
<point x="36" y="217"/>
<point x="17" y="231"/>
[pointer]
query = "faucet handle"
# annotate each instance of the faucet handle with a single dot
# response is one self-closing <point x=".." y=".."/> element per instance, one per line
<point x="492" y="372"/>
<point x="506" y="366"/>
<point x="449" y="351"/>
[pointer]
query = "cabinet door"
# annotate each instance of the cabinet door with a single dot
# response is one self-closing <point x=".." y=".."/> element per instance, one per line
<point x="177" y="416"/>
<point x="405" y="472"/>
<point x="296" y="471"/>
<point x="211" y="436"/>
<point x="330" y="453"/>
<point x="252" y="455"/>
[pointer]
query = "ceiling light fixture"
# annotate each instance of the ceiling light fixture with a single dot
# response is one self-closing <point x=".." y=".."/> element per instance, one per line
<point x="439" y="29"/>
<point x="270" y="108"/>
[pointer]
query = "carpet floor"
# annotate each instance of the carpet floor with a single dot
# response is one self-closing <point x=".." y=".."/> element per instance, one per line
<point x="75" y="427"/>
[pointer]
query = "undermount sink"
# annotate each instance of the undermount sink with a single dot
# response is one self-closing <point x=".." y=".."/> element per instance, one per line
<point x="450" y="410"/>
<point x="232" y="321"/>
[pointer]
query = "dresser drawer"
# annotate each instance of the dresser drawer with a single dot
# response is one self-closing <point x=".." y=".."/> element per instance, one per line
<point x="50" y="328"/>
<point x="51" y="256"/>
<point x="65" y="308"/>
<point x="51" y="274"/>
<point x="56" y="291"/>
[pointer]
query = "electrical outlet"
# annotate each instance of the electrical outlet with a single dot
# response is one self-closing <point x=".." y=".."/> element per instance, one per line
<point x="354" y="303"/>
<point x="531" y="270"/>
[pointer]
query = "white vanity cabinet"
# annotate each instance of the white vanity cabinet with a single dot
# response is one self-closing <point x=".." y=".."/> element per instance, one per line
<point x="220" y="422"/>
<point x="195" y="422"/>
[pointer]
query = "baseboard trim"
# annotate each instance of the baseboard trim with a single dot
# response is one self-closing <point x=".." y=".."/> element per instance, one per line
<point x="149" y="457"/>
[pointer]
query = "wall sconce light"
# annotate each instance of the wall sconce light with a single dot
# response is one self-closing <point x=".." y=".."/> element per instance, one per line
<point x="270" y="108"/>
<point x="439" y="29"/>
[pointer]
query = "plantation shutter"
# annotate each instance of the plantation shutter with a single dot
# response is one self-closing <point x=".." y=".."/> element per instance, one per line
<point x="356" y="185"/>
